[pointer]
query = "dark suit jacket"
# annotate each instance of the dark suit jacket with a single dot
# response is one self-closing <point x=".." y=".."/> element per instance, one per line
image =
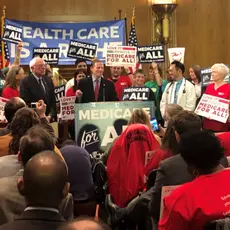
<point x="106" y="92"/>
<point x="172" y="171"/>
<point x="30" y="91"/>
<point x="35" y="220"/>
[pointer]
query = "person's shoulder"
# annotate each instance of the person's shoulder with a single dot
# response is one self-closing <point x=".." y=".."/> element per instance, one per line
<point x="174" y="160"/>
<point x="108" y="82"/>
<point x="189" y="83"/>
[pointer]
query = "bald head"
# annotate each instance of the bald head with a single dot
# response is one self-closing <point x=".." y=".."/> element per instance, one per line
<point x="85" y="224"/>
<point x="44" y="180"/>
<point x="12" y="106"/>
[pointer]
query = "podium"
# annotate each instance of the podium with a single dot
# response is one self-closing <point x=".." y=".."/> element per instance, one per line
<point x="98" y="124"/>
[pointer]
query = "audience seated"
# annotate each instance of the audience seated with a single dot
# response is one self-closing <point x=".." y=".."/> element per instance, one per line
<point x="173" y="171"/>
<point x="84" y="224"/>
<point x="127" y="161"/>
<point x="44" y="185"/>
<point x="12" y="203"/>
<point x="80" y="179"/>
<point x="11" y="107"/>
<point x="206" y="198"/>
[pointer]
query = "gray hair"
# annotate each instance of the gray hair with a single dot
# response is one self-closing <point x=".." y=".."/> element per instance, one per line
<point x="221" y="68"/>
<point x="33" y="62"/>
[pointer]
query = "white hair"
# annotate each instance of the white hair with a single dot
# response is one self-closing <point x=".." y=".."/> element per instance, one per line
<point x="33" y="62"/>
<point x="221" y="68"/>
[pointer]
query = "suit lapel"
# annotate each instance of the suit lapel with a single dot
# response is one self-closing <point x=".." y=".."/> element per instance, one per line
<point x="102" y="88"/>
<point x="36" y="87"/>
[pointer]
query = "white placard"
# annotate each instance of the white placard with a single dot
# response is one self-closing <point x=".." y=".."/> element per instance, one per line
<point x="121" y="56"/>
<point x="176" y="54"/>
<point x="67" y="108"/>
<point x="214" y="108"/>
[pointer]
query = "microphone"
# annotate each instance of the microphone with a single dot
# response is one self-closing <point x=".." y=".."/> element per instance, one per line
<point x="103" y="91"/>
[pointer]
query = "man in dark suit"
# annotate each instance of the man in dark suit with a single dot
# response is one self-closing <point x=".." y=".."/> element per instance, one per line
<point x="44" y="185"/>
<point x="12" y="203"/>
<point x="95" y="88"/>
<point x="37" y="86"/>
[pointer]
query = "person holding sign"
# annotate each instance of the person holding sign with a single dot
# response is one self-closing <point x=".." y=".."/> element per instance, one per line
<point x="180" y="91"/>
<point x="157" y="85"/>
<point x="120" y="82"/>
<point x="13" y="78"/>
<point x="219" y="89"/>
<point x="206" y="198"/>
<point x="95" y="88"/>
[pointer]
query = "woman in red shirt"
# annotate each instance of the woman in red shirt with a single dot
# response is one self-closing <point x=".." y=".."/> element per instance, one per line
<point x="218" y="89"/>
<point x="79" y="74"/>
<point x="71" y="92"/>
<point x="13" y="77"/>
<point x="193" y="205"/>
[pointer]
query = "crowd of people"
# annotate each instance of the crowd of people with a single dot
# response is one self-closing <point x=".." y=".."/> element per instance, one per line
<point x="45" y="184"/>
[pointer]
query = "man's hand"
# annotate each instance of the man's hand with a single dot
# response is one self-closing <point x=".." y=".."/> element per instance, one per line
<point x="78" y="93"/>
<point x="154" y="66"/>
<point x="41" y="108"/>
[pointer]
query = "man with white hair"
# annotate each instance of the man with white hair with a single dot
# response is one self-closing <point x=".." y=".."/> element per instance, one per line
<point x="37" y="86"/>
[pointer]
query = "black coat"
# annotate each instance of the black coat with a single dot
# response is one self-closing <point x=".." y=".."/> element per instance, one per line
<point x="106" y="92"/>
<point x="31" y="91"/>
<point x="35" y="220"/>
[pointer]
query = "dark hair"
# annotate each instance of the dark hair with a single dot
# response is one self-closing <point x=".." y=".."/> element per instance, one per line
<point x="75" y="81"/>
<point x="24" y="119"/>
<point x="140" y="71"/>
<point x="36" y="140"/>
<point x="186" y="121"/>
<point x="79" y="61"/>
<point x="45" y="177"/>
<point x="94" y="61"/>
<point x="68" y="142"/>
<point x="179" y="65"/>
<point x="197" y="69"/>
<point x="201" y="150"/>
<point x="169" y="141"/>
<point x="12" y="106"/>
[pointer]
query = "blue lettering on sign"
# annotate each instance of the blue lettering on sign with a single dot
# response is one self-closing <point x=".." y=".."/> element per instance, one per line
<point x="58" y="35"/>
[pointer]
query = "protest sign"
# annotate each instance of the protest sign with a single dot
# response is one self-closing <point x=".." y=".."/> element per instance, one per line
<point x="149" y="54"/>
<point x="214" y="108"/>
<point x="136" y="93"/>
<point x="2" y="106"/>
<point x="82" y="50"/>
<point x="12" y="33"/>
<point x="43" y="35"/>
<point x="206" y="75"/>
<point x="67" y="108"/>
<point x="166" y="190"/>
<point x="176" y="54"/>
<point x="98" y="124"/>
<point x="49" y="55"/>
<point x="59" y="92"/>
<point x="121" y="56"/>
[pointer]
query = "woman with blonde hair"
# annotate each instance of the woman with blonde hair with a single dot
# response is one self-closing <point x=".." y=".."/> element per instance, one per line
<point x="219" y="88"/>
<point x="13" y="77"/>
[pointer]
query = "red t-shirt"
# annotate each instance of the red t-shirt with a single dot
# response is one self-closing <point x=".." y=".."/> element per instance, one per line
<point x="120" y="84"/>
<point x="222" y="92"/>
<point x="158" y="156"/>
<point x="70" y="92"/>
<point x="225" y="142"/>
<point x="10" y="92"/>
<point x="197" y="203"/>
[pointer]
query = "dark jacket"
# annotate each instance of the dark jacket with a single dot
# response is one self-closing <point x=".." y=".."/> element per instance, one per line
<point x="31" y="91"/>
<point x="106" y="92"/>
<point x="35" y="220"/>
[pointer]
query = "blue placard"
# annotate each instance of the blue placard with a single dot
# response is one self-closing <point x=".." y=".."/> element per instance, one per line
<point x="36" y="34"/>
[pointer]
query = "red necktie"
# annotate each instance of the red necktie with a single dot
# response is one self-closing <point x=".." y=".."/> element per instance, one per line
<point x="96" y="90"/>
